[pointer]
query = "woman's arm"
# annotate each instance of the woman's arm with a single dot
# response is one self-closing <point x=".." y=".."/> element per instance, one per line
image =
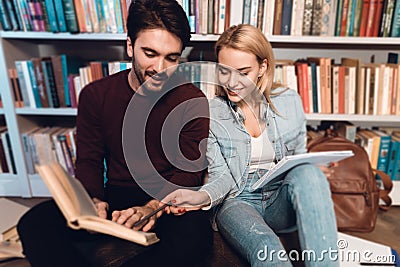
<point x="220" y="182"/>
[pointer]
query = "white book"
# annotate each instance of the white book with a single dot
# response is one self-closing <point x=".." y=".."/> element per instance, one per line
<point x="268" y="26"/>
<point x="236" y="16"/>
<point x="352" y="90"/>
<point x="296" y="27"/>
<point x="367" y="89"/>
<point x="254" y="13"/>
<point x="221" y="16"/>
<point x="355" y="251"/>
<point x="289" y="162"/>
<point x="385" y="95"/>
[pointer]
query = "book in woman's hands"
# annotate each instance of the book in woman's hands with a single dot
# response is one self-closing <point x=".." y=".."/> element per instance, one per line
<point x="79" y="210"/>
<point x="289" y="162"/>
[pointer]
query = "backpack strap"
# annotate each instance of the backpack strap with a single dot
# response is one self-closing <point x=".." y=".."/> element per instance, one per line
<point x="387" y="187"/>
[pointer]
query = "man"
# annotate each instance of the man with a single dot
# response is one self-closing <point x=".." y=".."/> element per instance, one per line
<point x="158" y="31"/>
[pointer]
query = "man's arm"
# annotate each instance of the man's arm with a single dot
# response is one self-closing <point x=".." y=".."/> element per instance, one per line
<point x="191" y="161"/>
<point x="90" y="144"/>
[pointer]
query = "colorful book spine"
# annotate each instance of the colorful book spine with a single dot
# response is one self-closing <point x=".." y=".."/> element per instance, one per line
<point x="62" y="25"/>
<point x="34" y="86"/>
<point x="395" y="28"/>
<point x="394" y="150"/>
<point x="12" y="15"/>
<point x="51" y="14"/>
<point x="4" y="17"/>
<point x="286" y="17"/>
<point x="70" y="16"/>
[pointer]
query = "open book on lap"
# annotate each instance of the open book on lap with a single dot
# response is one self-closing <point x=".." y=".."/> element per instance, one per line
<point x="289" y="162"/>
<point x="79" y="210"/>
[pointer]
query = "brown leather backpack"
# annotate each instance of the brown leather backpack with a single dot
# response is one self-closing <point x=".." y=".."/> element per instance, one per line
<point x="355" y="192"/>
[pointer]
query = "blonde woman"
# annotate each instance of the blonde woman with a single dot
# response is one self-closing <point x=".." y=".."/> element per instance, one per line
<point x="254" y="124"/>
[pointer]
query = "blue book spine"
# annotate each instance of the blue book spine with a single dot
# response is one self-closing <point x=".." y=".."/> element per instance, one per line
<point x="13" y="16"/>
<point x="118" y="16"/>
<point x="4" y="17"/>
<point x="19" y="16"/>
<point x="286" y="16"/>
<point x="51" y="14"/>
<point x="192" y="15"/>
<point x="65" y="78"/>
<point x="352" y="12"/>
<point x="383" y="156"/>
<point x="394" y="150"/>
<point x="395" y="28"/>
<point x="313" y="66"/>
<point x="47" y="82"/>
<point x="62" y="24"/>
<point x="35" y="89"/>
<point x="396" y="167"/>
<point x="23" y="5"/>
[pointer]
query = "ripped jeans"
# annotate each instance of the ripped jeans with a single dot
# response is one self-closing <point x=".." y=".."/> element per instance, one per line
<point x="250" y="222"/>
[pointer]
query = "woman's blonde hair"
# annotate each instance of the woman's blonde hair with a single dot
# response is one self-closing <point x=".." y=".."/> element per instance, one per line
<point x="250" y="39"/>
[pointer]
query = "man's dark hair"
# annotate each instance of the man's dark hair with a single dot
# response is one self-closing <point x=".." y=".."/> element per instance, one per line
<point x="158" y="14"/>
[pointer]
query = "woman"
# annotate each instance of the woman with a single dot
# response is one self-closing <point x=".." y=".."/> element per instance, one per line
<point x="255" y="123"/>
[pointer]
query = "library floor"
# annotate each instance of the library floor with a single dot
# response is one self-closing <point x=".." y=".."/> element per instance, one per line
<point x="387" y="230"/>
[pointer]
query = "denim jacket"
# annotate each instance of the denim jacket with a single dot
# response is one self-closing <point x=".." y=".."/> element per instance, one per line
<point x="229" y="143"/>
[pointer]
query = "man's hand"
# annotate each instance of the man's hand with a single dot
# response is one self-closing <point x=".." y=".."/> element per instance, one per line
<point x="129" y="216"/>
<point x="183" y="200"/>
<point x="101" y="207"/>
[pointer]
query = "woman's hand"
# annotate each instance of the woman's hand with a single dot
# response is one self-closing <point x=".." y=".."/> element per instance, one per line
<point x="183" y="200"/>
<point x="101" y="207"/>
<point x="130" y="216"/>
<point x="329" y="170"/>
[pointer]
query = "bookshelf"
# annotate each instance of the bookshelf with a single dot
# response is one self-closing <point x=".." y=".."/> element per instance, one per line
<point x="24" y="45"/>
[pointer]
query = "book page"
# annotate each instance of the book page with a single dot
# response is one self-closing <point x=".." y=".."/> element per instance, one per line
<point x="288" y="162"/>
<point x="11" y="213"/>
<point x="79" y="210"/>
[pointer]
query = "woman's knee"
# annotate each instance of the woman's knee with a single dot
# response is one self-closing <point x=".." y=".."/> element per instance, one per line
<point x="307" y="177"/>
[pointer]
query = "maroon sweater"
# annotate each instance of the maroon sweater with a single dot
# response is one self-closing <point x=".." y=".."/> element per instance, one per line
<point x="101" y="111"/>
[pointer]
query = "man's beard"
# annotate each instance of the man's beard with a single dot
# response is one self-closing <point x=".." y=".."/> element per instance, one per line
<point x="143" y="83"/>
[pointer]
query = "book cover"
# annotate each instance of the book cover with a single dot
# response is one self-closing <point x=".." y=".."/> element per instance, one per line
<point x="24" y="10"/>
<point x="297" y="18"/>
<point x="287" y="6"/>
<point x="51" y="15"/>
<point x="14" y="212"/>
<point x="60" y="78"/>
<point x="277" y="24"/>
<point x="70" y="16"/>
<point x="50" y="82"/>
<point x="79" y="210"/>
<point x="395" y="28"/>
<point x="384" y="149"/>
<point x="12" y="73"/>
<point x="289" y="162"/>
<point x="364" y="17"/>
<point x="41" y="85"/>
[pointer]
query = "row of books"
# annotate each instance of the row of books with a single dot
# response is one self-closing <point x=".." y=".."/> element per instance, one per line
<point x="43" y="145"/>
<point x="279" y="17"/>
<point x="348" y="87"/>
<point x="108" y="16"/>
<point x="297" y="17"/>
<point x="382" y="145"/>
<point x="52" y="82"/>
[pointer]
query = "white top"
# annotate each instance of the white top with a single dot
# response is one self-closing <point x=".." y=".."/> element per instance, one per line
<point x="262" y="153"/>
